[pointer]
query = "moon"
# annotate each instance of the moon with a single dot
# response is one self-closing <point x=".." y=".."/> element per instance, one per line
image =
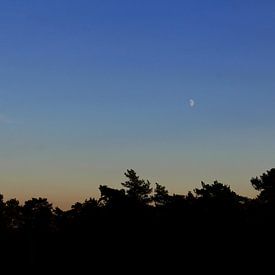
<point x="192" y="103"/>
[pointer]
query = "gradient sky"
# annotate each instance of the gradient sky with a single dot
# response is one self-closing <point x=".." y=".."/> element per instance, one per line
<point x="91" y="88"/>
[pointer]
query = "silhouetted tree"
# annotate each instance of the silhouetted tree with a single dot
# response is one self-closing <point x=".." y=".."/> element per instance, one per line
<point x="2" y="212"/>
<point x="181" y="202"/>
<point x="218" y="193"/>
<point x="38" y="214"/>
<point x="60" y="219"/>
<point x="266" y="185"/>
<point x="138" y="190"/>
<point x="90" y="204"/>
<point x="2" y="204"/>
<point x="219" y="201"/>
<point x="77" y="208"/>
<point x="136" y="221"/>
<point x="161" y="196"/>
<point x="90" y="209"/>
<point x="13" y="214"/>
<point x="112" y="198"/>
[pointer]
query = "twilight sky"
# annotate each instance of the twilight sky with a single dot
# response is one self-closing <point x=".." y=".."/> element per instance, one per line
<point x="91" y="88"/>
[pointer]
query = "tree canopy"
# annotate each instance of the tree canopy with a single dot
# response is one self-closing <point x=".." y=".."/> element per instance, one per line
<point x="266" y="185"/>
<point x="137" y="217"/>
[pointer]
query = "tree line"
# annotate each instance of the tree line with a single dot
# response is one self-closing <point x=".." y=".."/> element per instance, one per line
<point x="134" y="216"/>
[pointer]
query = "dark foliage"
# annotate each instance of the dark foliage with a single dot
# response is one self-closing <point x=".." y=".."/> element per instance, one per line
<point x="140" y="226"/>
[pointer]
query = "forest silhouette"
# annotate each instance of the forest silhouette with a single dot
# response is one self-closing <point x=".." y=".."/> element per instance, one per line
<point x="141" y="224"/>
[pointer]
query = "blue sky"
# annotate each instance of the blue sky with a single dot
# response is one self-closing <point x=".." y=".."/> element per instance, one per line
<point x="91" y="88"/>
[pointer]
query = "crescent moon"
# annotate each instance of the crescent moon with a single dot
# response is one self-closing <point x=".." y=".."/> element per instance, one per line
<point x="192" y="103"/>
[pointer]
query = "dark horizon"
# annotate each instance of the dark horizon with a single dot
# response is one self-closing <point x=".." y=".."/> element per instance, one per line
<point x="93" y="233"/>
<point x="88" y="197"/>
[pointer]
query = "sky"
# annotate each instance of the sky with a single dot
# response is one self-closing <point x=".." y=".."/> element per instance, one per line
<point x="180" y="91"/>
